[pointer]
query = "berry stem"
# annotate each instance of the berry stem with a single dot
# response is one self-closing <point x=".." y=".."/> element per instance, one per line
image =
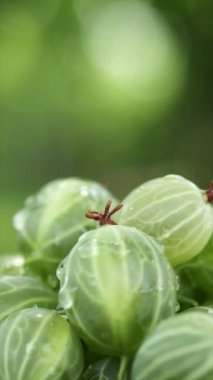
<point x="123" y="368"/>
<point x="209" y="193"/>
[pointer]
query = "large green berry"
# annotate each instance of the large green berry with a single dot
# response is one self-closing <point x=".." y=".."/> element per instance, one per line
<point x="179" y="348"/>
<point x="173" y="210"/>
<point x="19" y="292"/>
<point x="116" y="285"/>
<point x="52" y="220"/>
<point x="38" y="344"/>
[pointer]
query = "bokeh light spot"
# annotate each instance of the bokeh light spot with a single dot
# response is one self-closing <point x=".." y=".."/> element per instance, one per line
<point x="133" y="47"/>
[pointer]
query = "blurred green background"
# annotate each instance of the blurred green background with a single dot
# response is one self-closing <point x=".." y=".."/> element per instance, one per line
<point x="117" y="91"/>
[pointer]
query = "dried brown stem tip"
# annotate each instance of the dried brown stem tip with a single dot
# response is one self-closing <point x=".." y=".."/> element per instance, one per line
<point x="105" y="216"/>
<point x="209" y="193"/>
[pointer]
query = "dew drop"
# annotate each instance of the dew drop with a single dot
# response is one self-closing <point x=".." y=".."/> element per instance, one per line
<point x="151" y="289"/>
<point x="177" y="285"/>
<point x="165" y="234"/>
<point x="84" y="192"/>
<point x="60" y="270"/>
<point x="52" y="280"/>
<point x="33" y="202"/>
<point x="61" y="266"/>
<point x="160" y="287"/>
<point x="19" y="221"/>
<point x="177" y="307"/>
<point x="103" y="335"/>
<point x="46" y="349"/>
<point x="117" y="243"/>
<point x="67" y="297"/>
<point x="146" y="290"/>
<point x="18" y="261"/>
<point x="66" y="301"/>
<point x="57" y="235"/>
<point x="93" y="281"/>
<point x="29" y="348"/>
<point x="29" y="201"/>
<point x="59" y="309"/>
<point x="93" y="252"/>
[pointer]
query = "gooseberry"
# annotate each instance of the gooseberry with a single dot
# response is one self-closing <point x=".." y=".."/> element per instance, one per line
<point x="179" y="348"/>
<point x="173" y="210"/>
<point x="19" y="292"/>
<point x="53" y="219"/>
<point x="39" y="344"/>
<point x="115" y="286"/>
<point x="198" y="272"/>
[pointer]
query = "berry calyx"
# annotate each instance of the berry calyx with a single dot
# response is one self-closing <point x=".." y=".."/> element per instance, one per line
<point x="209" y="193"/>
<point x="105" y="216"/>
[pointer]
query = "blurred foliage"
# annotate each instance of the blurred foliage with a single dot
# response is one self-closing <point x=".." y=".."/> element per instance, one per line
<point x="116" y="91"/>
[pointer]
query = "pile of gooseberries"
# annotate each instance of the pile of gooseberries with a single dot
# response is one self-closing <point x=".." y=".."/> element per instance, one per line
<point x="100" y="289"/>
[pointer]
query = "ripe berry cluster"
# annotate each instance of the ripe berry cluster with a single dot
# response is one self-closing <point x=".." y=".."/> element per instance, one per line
<point x="106" y="290"/>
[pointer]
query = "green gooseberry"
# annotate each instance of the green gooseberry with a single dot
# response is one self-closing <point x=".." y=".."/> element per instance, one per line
<point x="19" y="292"/>
<point x="52" y="220"/>
<point x="116" y="285"/>
<point x="179" y="348"/>
<point x="39" y="344"/>
<point x="174" y="211"/>
<point x="12" y="263"/>
<point x="110" y="368"/>
<point x="198" y="272"/>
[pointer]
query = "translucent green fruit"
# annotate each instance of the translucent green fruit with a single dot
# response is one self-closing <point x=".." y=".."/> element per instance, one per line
<point x="173" y="210"/>
<point x="52" y="220"/>
<point x="116" y="285"/>
<point x="179" y="348"/>
<point x="38" y="344"/>
<point x="198" y="273"/>
<point x="19" y="292"/>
